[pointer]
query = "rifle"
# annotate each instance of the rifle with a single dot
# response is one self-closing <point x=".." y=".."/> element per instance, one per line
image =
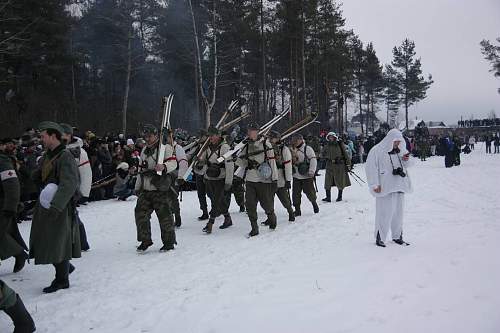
<point x="203" y="147"/>
<point x="262" y="132"/>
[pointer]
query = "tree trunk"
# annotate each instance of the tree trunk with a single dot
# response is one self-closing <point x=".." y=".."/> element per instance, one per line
<point x="263" y="51"/>
<point x="303" y="37"/>
<point x="127" y="83"/>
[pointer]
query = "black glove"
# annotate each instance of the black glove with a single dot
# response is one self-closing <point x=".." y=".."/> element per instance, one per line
<point x="53" y="213"/>
<point x="8" y="214"/>
<point x="180" y="181"/>
<point x="288" y="184"/>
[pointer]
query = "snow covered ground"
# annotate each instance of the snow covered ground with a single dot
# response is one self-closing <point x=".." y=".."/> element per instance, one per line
<point x="320" y="274"/>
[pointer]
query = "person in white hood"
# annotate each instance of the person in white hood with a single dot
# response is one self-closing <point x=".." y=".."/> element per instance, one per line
<point x="388" y="181"/>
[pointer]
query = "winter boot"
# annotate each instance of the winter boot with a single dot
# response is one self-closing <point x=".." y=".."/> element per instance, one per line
<point x="315" y="207"/>
<point x="242" y="208"/>
<point x="178" y="221"/>
<point x="71" y="268"/>
<point x="22" y="320"/>
<point x="379" y="242"/>
<point x="400" y="241"/>
<point x="328" y="196"/>
<point x="227" y="222"/>
<point x="144" y="246"/>
<point x="297" y="211"/>
<point x="339" y="196"/>
<point x="204" y="216"/>
<point x="272" y="222"/>
<point x="291" y="216"/>
<point x="169" y="242"/>
<point x="255" y="229"/>
<point x="62" y="278"/>
<point x="208" y="227"/>
<point x="20" y="261"/>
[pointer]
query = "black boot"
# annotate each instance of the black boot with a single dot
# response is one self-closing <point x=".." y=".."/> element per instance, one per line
<point x="272" y="221"/>
<point x="71" y="268"/>
<point x="400" y="241"/>
<point x="291" y="216"/>
<point x="255" y="229"/>
<point x="339" y="196"/>
<point x="208" y="227"/>
<point x="144" y="246"/>
<point x="178" y="221"/>
<point x="227" y="222"/>
<point x="20" y="261"/>
<point x="297" y="211"/>
<point x="23" y="323"/>
<point x="169" y="242"/>
<point x="379" y="242"/>
<point x="204" y="216"/>
<point x="242" y="208"/>
<point x="62" y="278"/>
<point x="315" y="207"/>
<point x="328" y="196"/>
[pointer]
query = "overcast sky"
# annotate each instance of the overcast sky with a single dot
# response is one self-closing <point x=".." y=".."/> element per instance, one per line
<point x="447" y="35"/>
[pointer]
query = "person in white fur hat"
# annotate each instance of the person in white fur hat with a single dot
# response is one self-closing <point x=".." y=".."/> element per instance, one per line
<point x="388" y="181"/>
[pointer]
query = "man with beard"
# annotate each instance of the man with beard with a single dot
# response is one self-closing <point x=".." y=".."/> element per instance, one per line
<point x="388" y="181"/>
<point x="258" y="168"/>
<point x="55" y="236"/>
<point x="337" y="165"/>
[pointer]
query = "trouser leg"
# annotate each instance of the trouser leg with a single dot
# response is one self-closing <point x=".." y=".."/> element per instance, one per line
<point x="162" y="207"/>
<point x="309" y="189"/>
<point x="397" y="217"/>
<point x="297" y="192"/>
<point x="143" y="210"/>
<point x="201" y="191"/>
<point x="251" y="204"/>
<point x="266" y="199"/>
<point x="284" y="197"/>
<point x="383" y="215"/>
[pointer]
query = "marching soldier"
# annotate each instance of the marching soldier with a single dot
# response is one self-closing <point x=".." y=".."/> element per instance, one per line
<point x="11" y="242"/>
<point x="12" y="304"/>
<point x="182" y="166"/>
<point x="155" y="192"/>
<point x="218" y="179"/>
<point x="337" y="164"/>
<point x="199" y="176"/>
<point x="55" y="236"/>
<point x="284" y="165"/>
<point x="261" y="175"/>
<point x="304" y="161"/>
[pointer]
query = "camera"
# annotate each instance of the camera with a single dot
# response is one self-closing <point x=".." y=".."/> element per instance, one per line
<point x="398" y="172"/>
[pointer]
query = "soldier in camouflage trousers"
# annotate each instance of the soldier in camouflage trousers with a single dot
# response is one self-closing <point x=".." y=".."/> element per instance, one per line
<point x="155" y="192"/>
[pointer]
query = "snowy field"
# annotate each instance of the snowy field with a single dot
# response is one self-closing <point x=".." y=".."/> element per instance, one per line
<point x="320" y="274"/>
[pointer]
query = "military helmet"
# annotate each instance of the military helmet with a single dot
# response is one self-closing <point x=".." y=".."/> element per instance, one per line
<point x="274" y="135"/>
<point x="212" y="130"/>
<point x="253" y="127"/>
<point x="148" y="129"/>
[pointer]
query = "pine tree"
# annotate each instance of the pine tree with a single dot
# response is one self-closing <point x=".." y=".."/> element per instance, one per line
<point x="411" y="83"/>
<point x="492" y="54"/>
